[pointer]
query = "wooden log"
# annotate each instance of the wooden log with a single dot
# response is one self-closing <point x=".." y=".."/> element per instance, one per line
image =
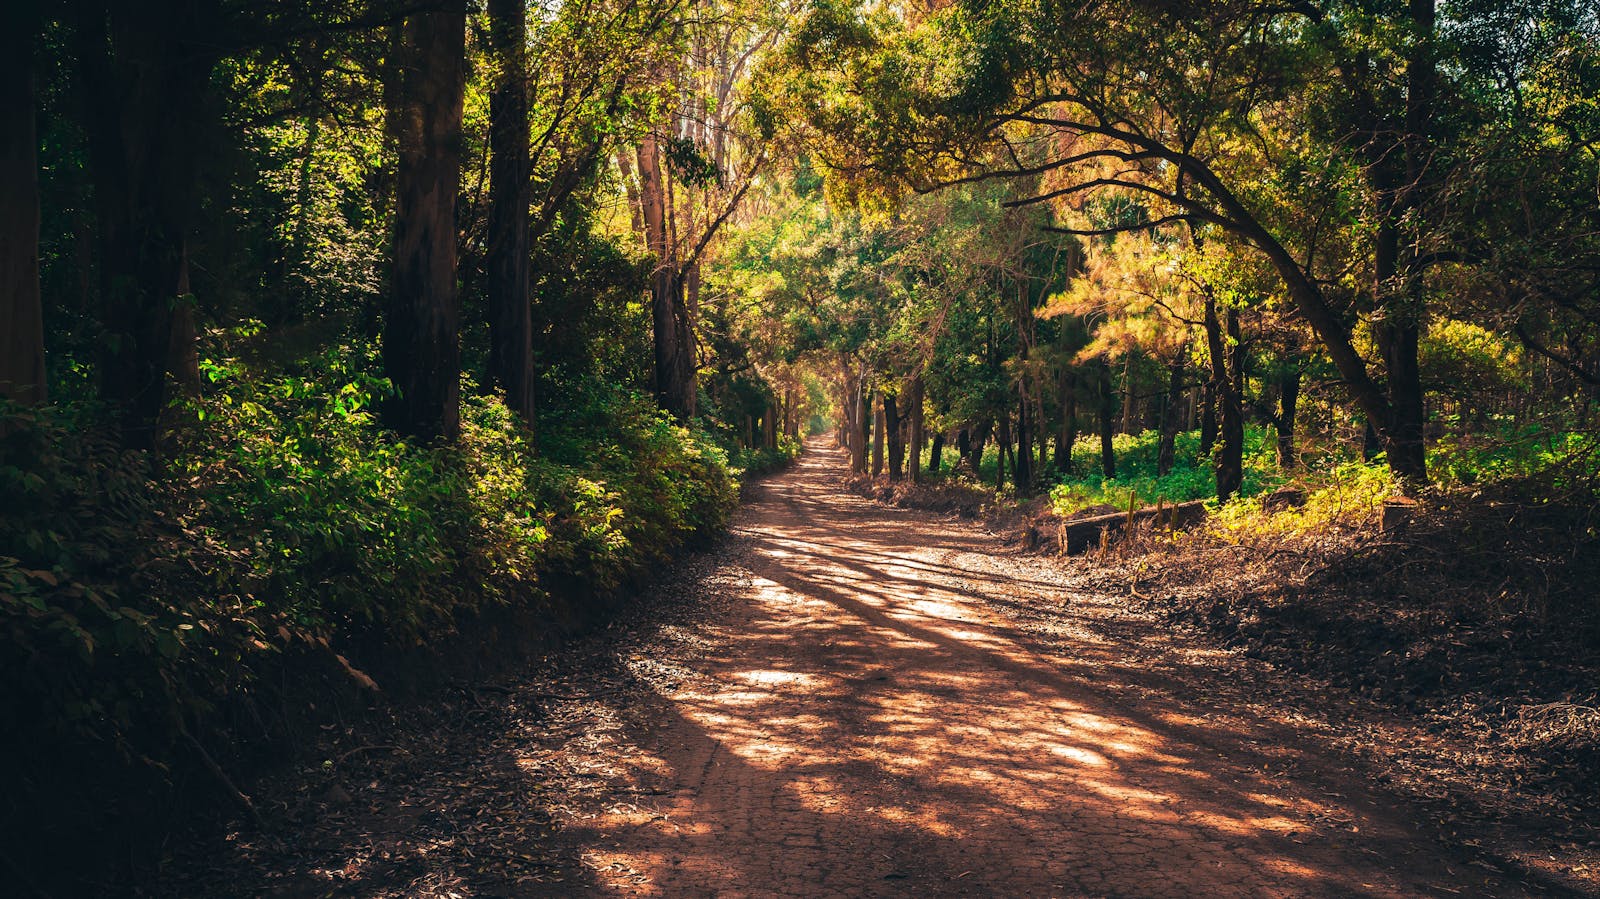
<point x="1397" y="513"/>
<point x="1079" y="534"/>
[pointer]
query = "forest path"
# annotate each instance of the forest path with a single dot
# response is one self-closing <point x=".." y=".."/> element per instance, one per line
<point x="870" y="714"/>
<point x="845" y="699"/>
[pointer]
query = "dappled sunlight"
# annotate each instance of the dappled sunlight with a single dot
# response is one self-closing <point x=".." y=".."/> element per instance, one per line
<point x="872" y="698"/>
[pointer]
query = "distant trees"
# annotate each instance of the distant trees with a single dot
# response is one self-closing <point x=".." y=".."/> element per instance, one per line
<point x="1342" y="146"/>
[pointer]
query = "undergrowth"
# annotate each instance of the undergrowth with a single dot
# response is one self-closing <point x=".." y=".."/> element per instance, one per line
<point x="142" y="601"/>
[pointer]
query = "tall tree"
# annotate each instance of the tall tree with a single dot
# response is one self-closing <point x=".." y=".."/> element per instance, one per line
<point x="509" y="244"/>
<point x="145" y="74"/>
<point x="421" y="347"/>
<point x="22" y="375"/>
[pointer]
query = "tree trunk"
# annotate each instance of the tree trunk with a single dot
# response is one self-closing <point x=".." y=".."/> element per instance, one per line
<point x="1223" y="349"/>
<point x="1129" y="391"/>
<point x="979" y="439"/>
<point x="863" y="435"/>
<point x="183" y="361"/>
<point x="674" y="374"/>
<point x="877" y="443"/>
<point x="935" y="450"/>
<point x="892" y="435"/>
<point x="421" y="337"/>
<point x="509" y="244"/>
<point x="1170" y="408"/>
<point x="1068" y="433"/>
<point x="145" y="71"/>
<point x="22" y="377"/>
<point x="916" y="430"/>
<point x="1288" y="400"/>
<point x="1022" y="468"/>
<point x="1003" y="448"/>
<point x="1108" y="413"/>
<point x="1208" y="414"/>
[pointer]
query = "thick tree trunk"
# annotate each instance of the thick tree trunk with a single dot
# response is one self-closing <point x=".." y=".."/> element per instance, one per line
<point x="22" y="377"/>
<point x="509" y="242"/>
<point x="935" y="451"/>
<point x="1288" y="401"/>
<point x="1170" y="408"/>
<point x="421" y="335"/>
<point x="892" y="430"/>
<point x="963" y="446"/>
<point x="1208" y="416"/>
<point x="1108" y="413"/>
<point x="145" y="70"/>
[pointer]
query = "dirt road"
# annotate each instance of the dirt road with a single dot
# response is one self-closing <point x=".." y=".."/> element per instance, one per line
<point x="870" y="717"/>
<point x="844" y="699"/>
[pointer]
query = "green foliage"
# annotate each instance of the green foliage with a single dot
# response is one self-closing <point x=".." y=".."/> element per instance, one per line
<point x="136" y="606"/>
<point x="1191" y="477"/>
<point x="1504" y="452"/>
<point x="761" y="460"/>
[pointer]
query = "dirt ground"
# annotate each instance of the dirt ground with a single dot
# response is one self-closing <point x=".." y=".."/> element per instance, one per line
<point x="846" y="699"/>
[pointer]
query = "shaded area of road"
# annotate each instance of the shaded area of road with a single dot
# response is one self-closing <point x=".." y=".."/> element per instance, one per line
<point x="863" y="722"/>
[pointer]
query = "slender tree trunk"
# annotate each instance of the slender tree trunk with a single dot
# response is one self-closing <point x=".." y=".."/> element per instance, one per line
<point x="674" y="373"/>
<point x="863" y="426"/>
<point x="1230" y="467"/>
<point x="1023" y="465"/>
<point x="935" y="451"/>
<point x="1068" y="434"/>
<point x="22" y="376"/>
<point x="892" y="426"/>
<point x="1108" y="413"/>
<point x="916" y="430"/>
<point x="421" y="338"/>
<point x="1208" y="415"/>
<point x="184" y="353"/>
<point x="1288" y="400"/>
<point x="1222" y="348"/>
<point x="1167" y="446"/>
<point x="963" y="446"/>
<point x="877" y="443"/>
<point x="509" y="243"/>
<point x="1003" y="447"/>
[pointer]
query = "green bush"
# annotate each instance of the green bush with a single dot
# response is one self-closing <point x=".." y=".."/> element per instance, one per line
<point x="138" y="602"/>
<point x="1191" y="477"/>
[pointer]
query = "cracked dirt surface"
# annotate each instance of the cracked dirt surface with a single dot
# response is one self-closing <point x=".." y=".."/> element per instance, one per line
<point x="864" y="718"/>
<point x="847" y="699"/>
